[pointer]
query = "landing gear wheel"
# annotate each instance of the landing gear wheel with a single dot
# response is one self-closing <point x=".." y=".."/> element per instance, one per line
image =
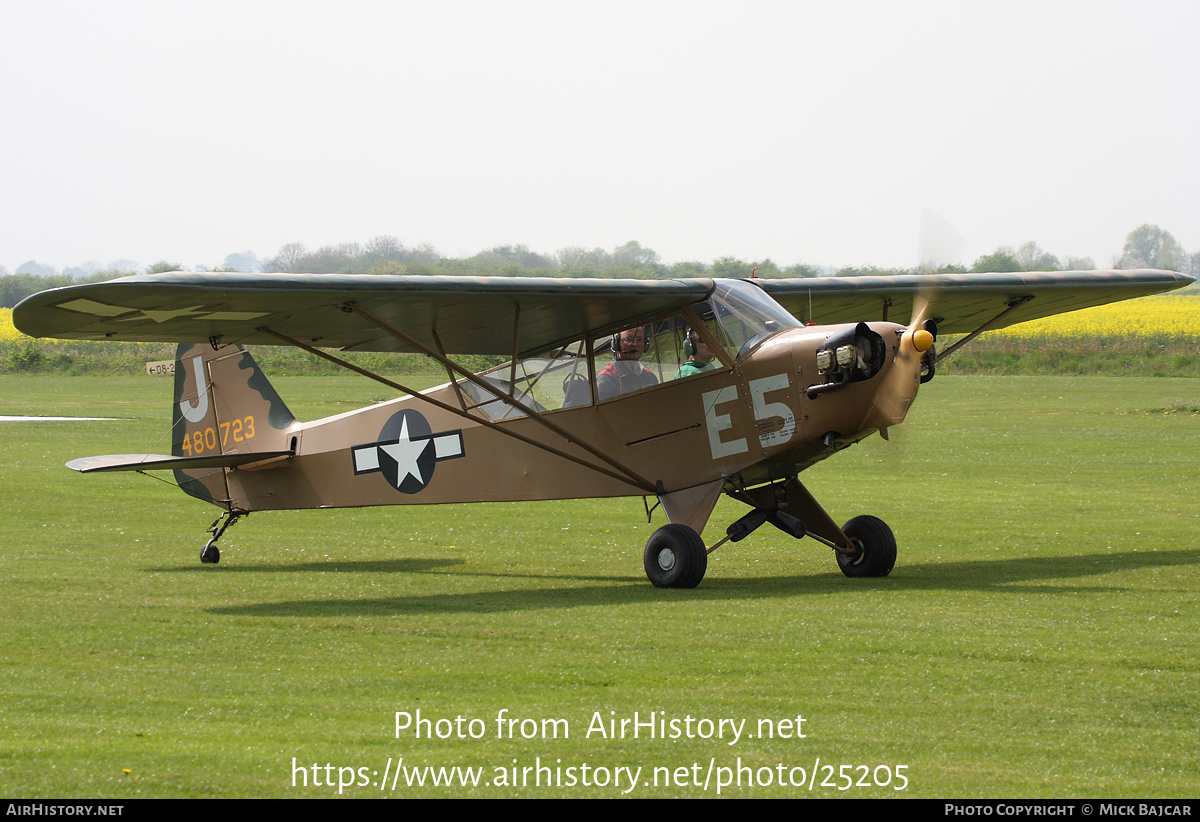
<point x="675" y="557"/>
<point x="210" y="554"/>
<point x="877" y="544"/>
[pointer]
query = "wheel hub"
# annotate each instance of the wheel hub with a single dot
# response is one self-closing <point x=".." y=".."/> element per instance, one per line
<point x="666" y="559"/>
<point x="846" y="558"/>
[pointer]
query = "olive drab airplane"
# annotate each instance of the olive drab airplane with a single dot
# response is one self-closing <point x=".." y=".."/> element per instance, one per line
<point x="681" y="390"/>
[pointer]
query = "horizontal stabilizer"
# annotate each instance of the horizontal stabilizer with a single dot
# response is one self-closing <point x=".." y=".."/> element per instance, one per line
<point x="158" y="462"/>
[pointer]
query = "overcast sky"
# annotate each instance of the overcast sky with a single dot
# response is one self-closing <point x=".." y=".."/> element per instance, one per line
<point x="813" y="132"/>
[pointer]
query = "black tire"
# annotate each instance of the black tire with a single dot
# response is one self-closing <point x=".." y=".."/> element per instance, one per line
<point x="675" y="557"/>
<point x="878" y="544"/>
<point x="210" y="554"/>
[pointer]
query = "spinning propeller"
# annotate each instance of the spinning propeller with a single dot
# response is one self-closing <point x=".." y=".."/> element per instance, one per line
<point x="939" y="244"/>
<point x="899" y="387"/>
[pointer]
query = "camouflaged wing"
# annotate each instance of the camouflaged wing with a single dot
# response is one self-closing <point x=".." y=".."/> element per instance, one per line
<point x="483" y="315"/>
<point x="964" y="302"/>
<point x="465" y="315"/>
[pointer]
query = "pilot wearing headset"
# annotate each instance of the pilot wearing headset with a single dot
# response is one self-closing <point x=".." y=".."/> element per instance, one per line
<point x="625" y="373"/>
<point x="699" y="356"/>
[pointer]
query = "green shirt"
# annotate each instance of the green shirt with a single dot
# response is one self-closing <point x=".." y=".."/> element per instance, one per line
<point x="693" y="367"/>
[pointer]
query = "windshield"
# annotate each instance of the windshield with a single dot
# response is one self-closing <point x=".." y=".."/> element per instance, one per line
<point x="746" y="314"/>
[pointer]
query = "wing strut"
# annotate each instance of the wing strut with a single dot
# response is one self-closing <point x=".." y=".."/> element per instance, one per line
<point x="1012" y="306"/>
<point x="507" y="399"/>
<point x="637" y="480"/>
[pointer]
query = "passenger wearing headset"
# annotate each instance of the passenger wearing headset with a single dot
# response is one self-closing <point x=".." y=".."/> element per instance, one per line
<point x="625" y="373"/>
<point x="699" y="356"/>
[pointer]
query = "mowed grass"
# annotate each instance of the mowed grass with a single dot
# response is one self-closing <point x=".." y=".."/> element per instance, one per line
<point x="1040" y="635"/>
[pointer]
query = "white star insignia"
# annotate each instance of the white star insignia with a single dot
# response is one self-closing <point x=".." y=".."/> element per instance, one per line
<point x="406" y="452"/>
<point x="198" y="312"/>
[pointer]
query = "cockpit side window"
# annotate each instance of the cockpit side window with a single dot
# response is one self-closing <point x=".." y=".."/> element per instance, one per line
<point x="736" y="316"/>
<point x="544" y="382"/>
<point x="643" y="356"/>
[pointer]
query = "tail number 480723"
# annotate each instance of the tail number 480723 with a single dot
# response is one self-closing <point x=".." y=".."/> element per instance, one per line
<point x="203" y="441"/>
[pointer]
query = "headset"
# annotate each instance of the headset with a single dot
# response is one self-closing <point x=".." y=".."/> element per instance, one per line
<point x="616" y="341"/>
<point x="689" y="343"/>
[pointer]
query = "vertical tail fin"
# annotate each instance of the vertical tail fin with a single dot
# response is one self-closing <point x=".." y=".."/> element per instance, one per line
<point x="223" y="404"/>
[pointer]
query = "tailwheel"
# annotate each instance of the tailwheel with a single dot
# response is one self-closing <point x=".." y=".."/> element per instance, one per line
<point x="876" y="548"/>
<point x="675" y="557"/>
<point x="210" y="553"/>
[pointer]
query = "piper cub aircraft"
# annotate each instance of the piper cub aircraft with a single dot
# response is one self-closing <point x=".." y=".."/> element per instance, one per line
<point x="681" y="390"/>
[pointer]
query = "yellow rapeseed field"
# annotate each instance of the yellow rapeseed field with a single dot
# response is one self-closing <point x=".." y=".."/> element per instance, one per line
<point x="1166" y="316"/>
<point x="7" y="332"/>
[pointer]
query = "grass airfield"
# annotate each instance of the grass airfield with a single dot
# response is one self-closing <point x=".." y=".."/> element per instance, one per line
<point x="1039" y="637"/>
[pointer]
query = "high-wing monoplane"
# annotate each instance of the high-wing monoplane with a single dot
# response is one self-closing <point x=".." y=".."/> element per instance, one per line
<point x="681" y="390"/>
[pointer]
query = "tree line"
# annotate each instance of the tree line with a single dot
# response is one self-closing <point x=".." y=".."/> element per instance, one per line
<point x="1147" y="246"/>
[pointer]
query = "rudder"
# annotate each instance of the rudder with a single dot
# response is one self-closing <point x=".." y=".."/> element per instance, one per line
<point x="223" y="404"/>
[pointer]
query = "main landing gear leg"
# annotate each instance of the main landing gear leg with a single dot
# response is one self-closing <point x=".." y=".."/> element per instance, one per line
<point x="864" y="546"/>
<point x="210" y="554"/>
